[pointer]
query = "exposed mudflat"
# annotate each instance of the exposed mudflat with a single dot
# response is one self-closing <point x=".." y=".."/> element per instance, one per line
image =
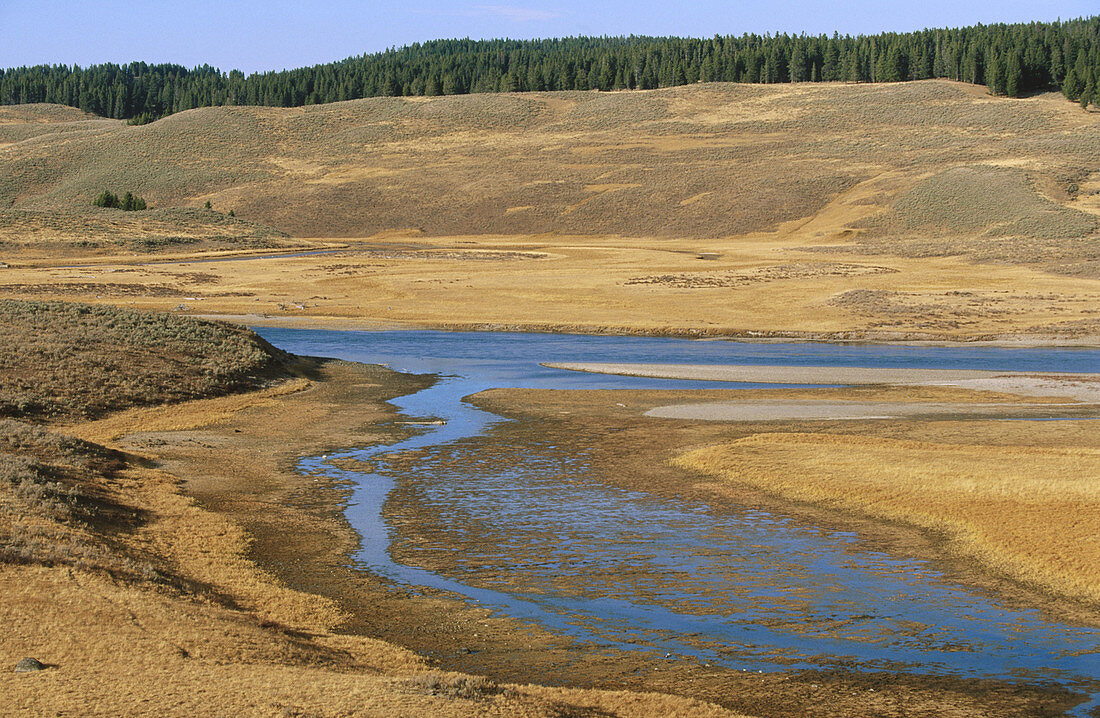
<point x="1080" y="389"/>
<point x="782" y="411"/>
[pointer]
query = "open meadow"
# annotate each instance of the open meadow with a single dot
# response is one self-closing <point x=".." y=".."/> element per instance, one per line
<point x="904" y="211"/>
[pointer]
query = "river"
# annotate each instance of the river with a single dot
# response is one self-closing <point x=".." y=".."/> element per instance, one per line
<point x="626" y="570"/>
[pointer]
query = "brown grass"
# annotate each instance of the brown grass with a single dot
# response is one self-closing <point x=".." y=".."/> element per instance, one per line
<point x="995" y="201"/>
<point x="703" y="161"/>
<point x="69" y="360"/>
<point x="1029" y="512"/>
<point x="767" y="286"/>
<point x="802" y="270"/>
<point x="991" y="214"/>
<point x="713" y="210"/>
<point x="57" y="507"/>
<point x="91" y="230"/>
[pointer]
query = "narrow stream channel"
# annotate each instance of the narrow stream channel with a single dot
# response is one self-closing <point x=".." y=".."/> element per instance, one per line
<point x="625" y="570"/>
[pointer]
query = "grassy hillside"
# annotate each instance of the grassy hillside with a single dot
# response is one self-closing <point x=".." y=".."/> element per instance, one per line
<point x="64" y="362"/>
<point x="709" y="160"/>
<point x="849" y="211"/>
<point x="78" y="361"/>
<point x="101" y="231"/>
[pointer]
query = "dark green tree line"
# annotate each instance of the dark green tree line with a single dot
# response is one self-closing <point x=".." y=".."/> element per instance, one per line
<point x="1009" y="59"/>
<point x="128" y="203"/>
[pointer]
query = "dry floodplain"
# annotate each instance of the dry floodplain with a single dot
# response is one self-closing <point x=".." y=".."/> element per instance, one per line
<point x="925" y="211"/>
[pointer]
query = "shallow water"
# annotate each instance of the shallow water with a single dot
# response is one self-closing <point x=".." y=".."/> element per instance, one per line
<point x="535" y="533"/>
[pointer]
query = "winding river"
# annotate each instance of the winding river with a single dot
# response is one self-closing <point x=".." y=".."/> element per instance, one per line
<point x="625" y="570"/>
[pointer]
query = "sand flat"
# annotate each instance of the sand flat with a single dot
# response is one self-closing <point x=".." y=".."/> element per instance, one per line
<point x="825" y="410"/>
<point x="1077" y="389"/>
<point x="784" y="374"/>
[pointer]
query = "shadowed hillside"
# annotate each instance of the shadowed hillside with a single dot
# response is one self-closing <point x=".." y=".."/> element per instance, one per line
<point x="703" y="161"/>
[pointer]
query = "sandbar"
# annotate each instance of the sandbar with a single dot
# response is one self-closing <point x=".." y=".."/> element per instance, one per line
<point x="1078" y="389"/>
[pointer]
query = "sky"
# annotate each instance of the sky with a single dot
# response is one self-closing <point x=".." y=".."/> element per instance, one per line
<point x="261" y="35"/>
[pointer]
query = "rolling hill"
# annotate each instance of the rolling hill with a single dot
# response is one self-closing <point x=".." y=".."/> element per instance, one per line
<point x="706" y="161"/>
<point x="922" y="210"/>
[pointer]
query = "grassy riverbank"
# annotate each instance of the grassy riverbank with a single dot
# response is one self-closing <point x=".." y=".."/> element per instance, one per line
<point x="1029" y="510"/>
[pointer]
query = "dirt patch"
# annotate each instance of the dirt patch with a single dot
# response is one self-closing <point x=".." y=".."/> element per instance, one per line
<point x="806" y="270"/>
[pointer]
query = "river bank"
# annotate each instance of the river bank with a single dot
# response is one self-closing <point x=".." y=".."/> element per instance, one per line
<point x="868" y="336"/>
<point x="139" y="590"/>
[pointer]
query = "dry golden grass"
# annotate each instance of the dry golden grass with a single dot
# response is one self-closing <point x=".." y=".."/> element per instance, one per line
<point x="1029" y="512"/>
<point x="90" y="231"/>
<point x="705" y="161"/>
<point x="764" y="286"/>
<point x="703" y="210"/>
<point x="19" y="123"/>
<point x="154" y="654"/>
<point x="993" y="201"/>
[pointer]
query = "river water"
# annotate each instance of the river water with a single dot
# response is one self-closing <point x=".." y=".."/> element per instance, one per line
<point x="621" y="569"/>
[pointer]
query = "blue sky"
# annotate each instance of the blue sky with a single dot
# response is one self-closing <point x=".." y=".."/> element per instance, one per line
<point x="251" y="35"/>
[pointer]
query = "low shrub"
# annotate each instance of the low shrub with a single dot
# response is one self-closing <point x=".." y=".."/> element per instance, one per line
<point x="453" y="686"/>
<point x="62" y="360"/>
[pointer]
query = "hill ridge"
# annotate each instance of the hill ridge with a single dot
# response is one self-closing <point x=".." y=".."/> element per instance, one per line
<point x="1011" y="59"/>
<point x="708" y="161"/>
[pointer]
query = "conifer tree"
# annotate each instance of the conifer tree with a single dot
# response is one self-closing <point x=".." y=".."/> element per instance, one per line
<point x="1013" y="75"/>
<point x="1010" y="59"/>
<point x="1072" y="86"/>
<point x="798" y="62"/>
